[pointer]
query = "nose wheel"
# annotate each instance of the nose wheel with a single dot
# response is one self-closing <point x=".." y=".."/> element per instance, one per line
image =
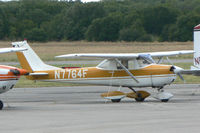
<point x="162" y="95"/>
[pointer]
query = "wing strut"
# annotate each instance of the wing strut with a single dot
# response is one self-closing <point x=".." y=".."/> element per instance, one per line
<point x="160" y="60"/>
<point x="127" y="71"/>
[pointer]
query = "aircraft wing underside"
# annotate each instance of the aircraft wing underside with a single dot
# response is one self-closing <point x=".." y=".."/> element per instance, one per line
<point x="125" y="55"/>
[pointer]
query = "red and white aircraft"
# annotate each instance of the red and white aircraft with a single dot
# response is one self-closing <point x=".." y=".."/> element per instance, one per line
<point x="195" y="69"/>
<point x="9" y="75"/>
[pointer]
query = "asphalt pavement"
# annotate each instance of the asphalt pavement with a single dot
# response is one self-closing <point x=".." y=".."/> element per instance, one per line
<point x="80" y="109"/>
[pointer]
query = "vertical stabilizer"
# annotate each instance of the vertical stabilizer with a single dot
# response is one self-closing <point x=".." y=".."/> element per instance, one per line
<point x="29" y="60"/>
<point x="196" y="59"/>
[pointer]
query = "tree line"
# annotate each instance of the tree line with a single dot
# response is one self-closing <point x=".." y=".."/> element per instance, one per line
<point x="107" y="20"/>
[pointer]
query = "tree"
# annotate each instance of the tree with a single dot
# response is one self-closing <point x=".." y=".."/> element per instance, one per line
<point x="154" y="19"/>
<point x="134" y="33"/>
<point x="77" y="18"/>
<point x="35" y="34"/>
<point x="185" y="25"/>
<point x="105" y="29"/>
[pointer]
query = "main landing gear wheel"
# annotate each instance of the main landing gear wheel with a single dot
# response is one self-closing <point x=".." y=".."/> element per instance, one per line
<point x="115" y="100"/>
<point x="1" y="105"/>
<point x="139" y="97"/>
<point x="165" y="100"/>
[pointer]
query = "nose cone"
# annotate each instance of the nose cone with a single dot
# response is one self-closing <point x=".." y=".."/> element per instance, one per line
<point x="23" y="72"/>
<point x="19" y="72"/>
<point x="176" y="69"/>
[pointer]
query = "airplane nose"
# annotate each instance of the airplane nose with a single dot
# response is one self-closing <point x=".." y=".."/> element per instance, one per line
<point x="23" y="72"/>
<point x="18" y="72"/>
<point x="176" y="69"/>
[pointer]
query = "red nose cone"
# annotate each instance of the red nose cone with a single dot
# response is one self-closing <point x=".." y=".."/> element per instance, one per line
<point x="23" y="72"/>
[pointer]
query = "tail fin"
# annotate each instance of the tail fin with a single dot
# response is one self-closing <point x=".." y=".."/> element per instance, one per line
<point x="29" y="60"/>
<point x="196" y="59"/>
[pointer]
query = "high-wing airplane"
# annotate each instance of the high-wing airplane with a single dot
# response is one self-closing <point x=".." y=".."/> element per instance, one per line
<point x="120" y="70"/>
<point x="195" y="70"/>
<point x="196" y="60"/>
<point x="9" y="75"/>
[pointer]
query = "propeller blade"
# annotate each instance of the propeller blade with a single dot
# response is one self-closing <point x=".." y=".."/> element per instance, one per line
<point x="180" y="76"/>
<point x="177" y="70"/>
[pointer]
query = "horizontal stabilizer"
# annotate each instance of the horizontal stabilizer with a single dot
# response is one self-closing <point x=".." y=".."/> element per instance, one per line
<point x="191" y="72"/>
<point x="8" y="50"/>
<point x="38" y="74"/>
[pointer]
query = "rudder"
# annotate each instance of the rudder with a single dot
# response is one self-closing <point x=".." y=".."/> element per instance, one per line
<point x="29" y="60"/>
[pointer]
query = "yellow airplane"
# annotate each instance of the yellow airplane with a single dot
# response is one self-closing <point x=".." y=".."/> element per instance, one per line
<point x="120" y="70"/>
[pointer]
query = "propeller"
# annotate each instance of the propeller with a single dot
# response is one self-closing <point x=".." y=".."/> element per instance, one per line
<point x="18" y="72"/>
<point x="177" y="70"/>
<point x="15" y="72"/>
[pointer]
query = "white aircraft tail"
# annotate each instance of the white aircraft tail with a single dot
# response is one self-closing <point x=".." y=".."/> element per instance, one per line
<point x="29" y="60"/>
<point x="196" y="59"/>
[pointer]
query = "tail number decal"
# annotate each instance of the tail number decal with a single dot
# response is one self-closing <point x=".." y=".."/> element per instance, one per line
<point x="197" y="60"/>
<point x="70" y="73"/>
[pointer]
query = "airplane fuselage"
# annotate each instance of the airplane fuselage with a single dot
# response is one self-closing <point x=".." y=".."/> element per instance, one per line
<point x="153" y="75"/>
<point x="9" y="77"/>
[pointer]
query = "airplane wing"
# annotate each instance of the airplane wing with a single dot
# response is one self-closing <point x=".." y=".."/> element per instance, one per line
<point x="126" y="55"/>
<point x="8" y="50"/>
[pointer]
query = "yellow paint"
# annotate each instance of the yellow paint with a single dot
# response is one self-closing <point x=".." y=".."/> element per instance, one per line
<point x="23" y="62"/>
<point x="113" y="93"/>
<point x="144" y="94"/>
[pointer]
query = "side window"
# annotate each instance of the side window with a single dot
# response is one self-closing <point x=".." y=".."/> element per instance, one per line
<point x="131" y="64"/>
<point x="124" y="62"/>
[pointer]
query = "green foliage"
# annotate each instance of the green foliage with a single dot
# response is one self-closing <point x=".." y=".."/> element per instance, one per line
<point x="154" y="19"/>
<point x="105" y="29"/>
<point x="108" y="20"/>
<point x="36" y="34"/>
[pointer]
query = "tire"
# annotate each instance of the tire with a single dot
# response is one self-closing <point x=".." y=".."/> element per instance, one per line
<point x="139" y="98"/>
<point x="115" y="100"/>
<point x="165" y="100"/>
<point x="1" y="105"/>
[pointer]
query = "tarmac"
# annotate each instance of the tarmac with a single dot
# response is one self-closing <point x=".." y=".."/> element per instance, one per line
<point x="80" y="109"/>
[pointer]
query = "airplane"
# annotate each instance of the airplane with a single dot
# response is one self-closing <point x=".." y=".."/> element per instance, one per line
<point x="119" y="70"/>
<point x="196" y="60"/>
<point x="195" y="69"/>
<point x="9" y="75"/>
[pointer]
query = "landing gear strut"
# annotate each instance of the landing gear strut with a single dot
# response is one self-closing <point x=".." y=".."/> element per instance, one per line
<point x="138" y="95"/>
